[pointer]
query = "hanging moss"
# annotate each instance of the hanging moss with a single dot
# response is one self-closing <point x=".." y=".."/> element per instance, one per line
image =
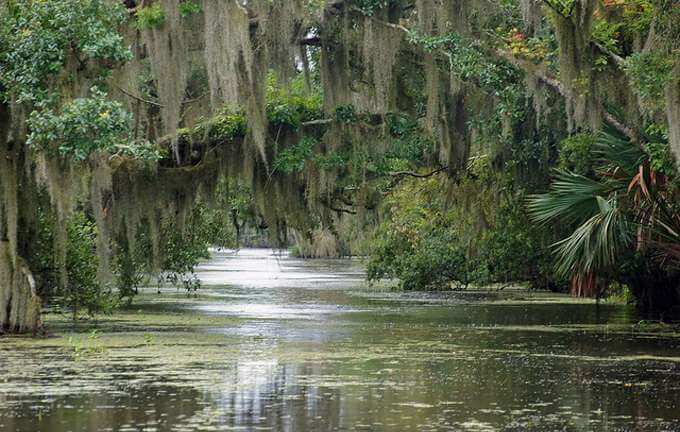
<point x="381" y="45"/>
<point x="319" y="243"/>
<point x="168" y="54"/>
<point x="64" y="183"/>
<point x="531" y="14"/>
<point x="282" y="31"/>
<point x="100" y="201"/>
<point x="673" y="111"/>
<point x="427" y="11"/>
<point x="576" y="68"/>
<point x="227" y="45"/>
<point x="236" y="74"/>
<point x="335" y="71"/>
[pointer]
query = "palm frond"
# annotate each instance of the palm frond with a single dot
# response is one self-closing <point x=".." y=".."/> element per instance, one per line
<point x="615" y="151"/>
<point x="627" y="206"/>
<point x="572" y="198"/>
<point x="595" y="244"/>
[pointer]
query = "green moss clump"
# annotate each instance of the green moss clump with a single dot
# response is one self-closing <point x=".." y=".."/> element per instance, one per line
<point x="291" y="106"/>
<point x="152" y="16"/>
<point x="576" y="153"/>
<point x="225" y="126"/>
<point x="188" y="8"/>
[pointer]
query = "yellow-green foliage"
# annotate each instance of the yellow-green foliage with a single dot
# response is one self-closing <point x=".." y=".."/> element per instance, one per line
<point x="576" y="153"/>
<point x="650" y="73"/>
<point x="292" y="105"/>
<point x="226" y="125"/>
<point x="152" y="16"/>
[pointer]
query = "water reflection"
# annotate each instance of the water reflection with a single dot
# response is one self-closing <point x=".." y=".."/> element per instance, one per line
<point x="311" y="349"/>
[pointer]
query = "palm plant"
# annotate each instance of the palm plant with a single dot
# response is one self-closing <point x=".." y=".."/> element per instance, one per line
<point x="627" y="208"/>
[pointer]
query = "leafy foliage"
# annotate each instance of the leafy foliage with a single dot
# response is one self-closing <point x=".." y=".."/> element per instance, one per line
<point x="188" y="8"/>
<point x="418" y="245"/>
<point x="84" y="126"/>
<point x="513" y="251"/>
<point x="626" y="205"/>
<point x="183" y="244"/>
<point x="83" y="291"/>
<point x="576" y="154"/>
<point x="226" y="125"/>
<point x="153" y="16"/>
<point x="39" y="38"/>
<point x="650" y="72"/>
<point x="293" y="158"/>
<point x="289" y="107"/>
<point x="427" y="245"/>
<point x="470" y="62"/>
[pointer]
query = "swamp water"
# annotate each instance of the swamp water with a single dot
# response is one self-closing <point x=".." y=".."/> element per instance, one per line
<point x="276" y="343"/>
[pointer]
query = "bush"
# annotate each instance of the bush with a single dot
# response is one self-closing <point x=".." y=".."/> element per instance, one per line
<point x="418" y="244"/>
<point x="515" y="251"/>
<point x="83" y="291"/>
<point x="426" y="244"/>
<point x="437" y="262"/>
<point x="152" y="16"/>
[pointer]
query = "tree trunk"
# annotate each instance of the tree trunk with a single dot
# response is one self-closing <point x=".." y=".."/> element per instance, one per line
<point x="656" y="290"/>
<point x="19" y="302"/>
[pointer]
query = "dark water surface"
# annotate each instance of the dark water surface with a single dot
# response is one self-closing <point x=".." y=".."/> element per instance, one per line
<point x="275" y="343"/>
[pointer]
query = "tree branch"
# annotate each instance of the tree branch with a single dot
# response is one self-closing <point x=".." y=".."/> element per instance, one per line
<point x="133" y="96"/>
<point x="417" y="175"/>
<point x="540" y="73"/>
<point x="618" y="60"/>
<point x="316" y="122"/>
<point x="311" y="41"/>
<point x="154" y="103"/>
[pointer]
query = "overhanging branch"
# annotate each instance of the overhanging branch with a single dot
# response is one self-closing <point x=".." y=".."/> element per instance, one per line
<point x="539" y="73"/>
<point x="417" y="175"/>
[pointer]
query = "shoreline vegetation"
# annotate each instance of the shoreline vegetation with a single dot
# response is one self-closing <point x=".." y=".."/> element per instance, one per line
<point x="173" y="310"/>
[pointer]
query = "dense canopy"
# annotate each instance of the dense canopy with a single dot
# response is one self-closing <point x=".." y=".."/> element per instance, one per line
<point x="424" y="126"/>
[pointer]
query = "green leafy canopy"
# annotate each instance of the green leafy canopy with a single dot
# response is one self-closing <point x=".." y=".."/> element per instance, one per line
<point x="84" y="126"/>
<point x="38" y="38"/>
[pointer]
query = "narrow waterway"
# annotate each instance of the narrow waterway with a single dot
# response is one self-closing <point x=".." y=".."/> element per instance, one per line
<point x="276" y="343"/>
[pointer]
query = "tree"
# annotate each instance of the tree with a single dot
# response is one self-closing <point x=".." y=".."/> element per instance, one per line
<point x="625" y="221"/>
<point x="317" y="106"/>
